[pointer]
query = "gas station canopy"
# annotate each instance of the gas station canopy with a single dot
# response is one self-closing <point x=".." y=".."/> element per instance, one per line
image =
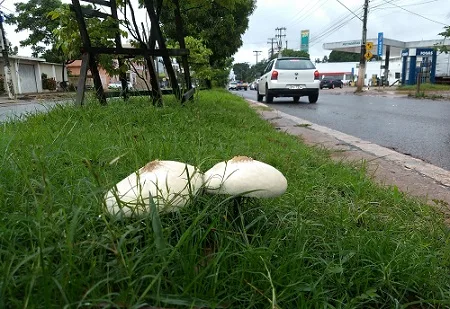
<point x="354" y="46"/>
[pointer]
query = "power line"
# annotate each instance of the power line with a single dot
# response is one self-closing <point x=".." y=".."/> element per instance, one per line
<point x="349" y="9"/>
<point x="271" y="42"/>
<point x="336" y="26"/>
<point x="307" y="14"/>
<point x="257" y="52"/>
<point x="335" y="23"/>
<point x="4" y="7"/>
<point x="280" y="37"/>
<point x="298" y="14"/>
<point x="414" y="13"/>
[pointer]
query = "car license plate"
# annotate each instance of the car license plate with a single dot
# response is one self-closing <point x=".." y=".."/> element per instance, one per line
<point x="296" y="86"/>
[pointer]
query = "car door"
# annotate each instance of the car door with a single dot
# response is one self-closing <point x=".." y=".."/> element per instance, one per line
<point x="263" y="80"/>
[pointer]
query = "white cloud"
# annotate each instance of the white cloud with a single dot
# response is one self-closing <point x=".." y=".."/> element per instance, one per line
<point x="322" y="17"/>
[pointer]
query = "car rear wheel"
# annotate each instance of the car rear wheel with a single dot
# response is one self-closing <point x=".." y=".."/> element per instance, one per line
<point x="342" y="85"/>
<point x="269" y="96"/>
<point x="332" y="86"/>
<point x="312" y="98"/>
<point x="296" y="99"/>
<point x="259" y="97"/>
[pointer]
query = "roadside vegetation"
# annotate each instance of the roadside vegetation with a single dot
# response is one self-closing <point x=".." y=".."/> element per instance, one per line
<point x="425" y="87"/>
<point x="334" y="239"/>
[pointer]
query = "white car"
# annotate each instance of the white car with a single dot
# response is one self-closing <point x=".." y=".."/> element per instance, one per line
<point x="289" y="77"/>
<point x="118" y="85"/>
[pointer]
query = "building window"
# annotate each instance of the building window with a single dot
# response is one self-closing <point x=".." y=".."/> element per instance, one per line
<point x="397" y="75"/>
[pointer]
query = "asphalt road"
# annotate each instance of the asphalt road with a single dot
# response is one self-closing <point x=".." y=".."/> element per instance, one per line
<point x="420" y="128"/>
<point x="19" y="110"/>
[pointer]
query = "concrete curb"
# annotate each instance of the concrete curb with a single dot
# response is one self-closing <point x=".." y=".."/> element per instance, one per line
<point x="404" y="164"/>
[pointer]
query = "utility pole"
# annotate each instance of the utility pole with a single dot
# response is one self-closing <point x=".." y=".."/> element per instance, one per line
<point x="257" y="52"/>
<point x="280" y="37"/>
<point x="271" y="42"/>
<point x="7" y="67"/>
<point x="362" y="61"/>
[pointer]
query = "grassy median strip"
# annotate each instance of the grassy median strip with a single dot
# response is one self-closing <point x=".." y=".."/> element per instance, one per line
<point x="334" y="239"/>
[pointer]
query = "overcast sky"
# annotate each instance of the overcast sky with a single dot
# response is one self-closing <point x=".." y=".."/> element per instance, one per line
<point x="327" y="21"/>
<point x="322" y="17"/>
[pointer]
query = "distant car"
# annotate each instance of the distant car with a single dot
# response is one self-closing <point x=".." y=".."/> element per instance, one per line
<point x="331" y="82"/>
<point x="241" y="85"/>
<point x="118" y="85"/>
<point x="289" y="77"/>
<point x="232" y="86"/>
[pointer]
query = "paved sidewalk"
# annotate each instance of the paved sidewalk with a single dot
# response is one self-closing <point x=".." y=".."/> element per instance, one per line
<point x="427" y="182"/>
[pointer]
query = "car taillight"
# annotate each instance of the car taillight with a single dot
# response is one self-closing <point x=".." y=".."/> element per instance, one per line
<point x="274" y="75"/>
<point x="316" y="74"/>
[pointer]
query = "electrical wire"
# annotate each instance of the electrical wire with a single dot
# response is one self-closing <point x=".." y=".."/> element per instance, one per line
<point x="299" y="13"/>
<point x="349" y="10"/>
<point x="414" y="13"/>
<point x="336" y="26"/>
<point x="317" y="5"/>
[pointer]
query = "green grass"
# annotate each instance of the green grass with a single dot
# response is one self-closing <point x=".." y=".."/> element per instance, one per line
<point x="333" y="240"/>
<point x="426" y="87"/>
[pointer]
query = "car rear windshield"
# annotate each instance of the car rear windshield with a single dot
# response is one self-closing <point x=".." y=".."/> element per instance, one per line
<point x="294" y="64"/>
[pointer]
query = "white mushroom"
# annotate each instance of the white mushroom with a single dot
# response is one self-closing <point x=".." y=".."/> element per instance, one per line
<point x="245" y="176"/>
<point x="169" y="183"/>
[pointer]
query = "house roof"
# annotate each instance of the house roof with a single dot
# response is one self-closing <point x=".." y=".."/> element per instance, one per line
<point x="25" y="58"/>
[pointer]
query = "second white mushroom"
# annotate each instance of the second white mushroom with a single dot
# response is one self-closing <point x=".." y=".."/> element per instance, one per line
<point x="247" y="177"/>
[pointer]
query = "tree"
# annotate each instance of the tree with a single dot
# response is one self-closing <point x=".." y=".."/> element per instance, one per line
<point x="242" y="71"/>
<point x="258" y="68"/>
<point x="446" y="34"/>
<point x="32" y="17"/>
<point x="219" y="24"/>
<point x="291" y="53"/>
<point x="13" y="50"/>
<point x="198" y="57"/>
<point x="341" y="56"/>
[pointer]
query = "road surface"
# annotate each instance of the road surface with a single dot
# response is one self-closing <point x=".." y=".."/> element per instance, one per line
<point x="420" y="128"/>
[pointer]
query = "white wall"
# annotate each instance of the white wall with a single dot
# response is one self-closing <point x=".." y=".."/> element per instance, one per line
<point x="373" y="67"/>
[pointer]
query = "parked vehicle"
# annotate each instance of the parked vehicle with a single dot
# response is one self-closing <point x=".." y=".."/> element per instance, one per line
<point x="232" y="86"/>
<point x="118" y="85"/>
<point x="253" y="85"/>
<point x="289" y="77"/>
<point x="242" y="85"/>
<point x="331" y="82"/>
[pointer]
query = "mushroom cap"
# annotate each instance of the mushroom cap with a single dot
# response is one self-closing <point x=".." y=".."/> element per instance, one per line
<point x="170" y="184"/>
<point x="243" y="174"/>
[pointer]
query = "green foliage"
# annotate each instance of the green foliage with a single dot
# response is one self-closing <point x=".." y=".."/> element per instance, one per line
<point x="219" y="24"/>
<point x="48" y="83"/>
<point x="341" y="56"/>
<point x="31" y="16"/>
<point x="101" y="32"/>
<point x="242" y="71"/>
<point x="259" y="67"/>
<point x="198" y="58"/>
<point x="446" y="34"/>
<point x="333" y="240"/>
<point x="292" y="53"/>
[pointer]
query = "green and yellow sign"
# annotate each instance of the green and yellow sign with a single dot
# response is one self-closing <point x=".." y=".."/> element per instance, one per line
<point x="304" y="40"/>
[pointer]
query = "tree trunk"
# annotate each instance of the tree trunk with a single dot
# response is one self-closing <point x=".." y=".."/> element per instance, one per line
<point x="154" y="20"/>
